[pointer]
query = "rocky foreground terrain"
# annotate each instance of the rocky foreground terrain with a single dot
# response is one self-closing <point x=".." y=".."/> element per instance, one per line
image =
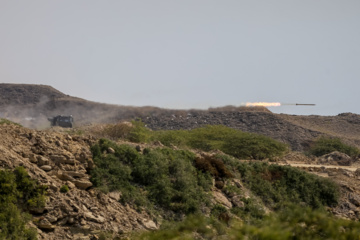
<point x="57" y="157"/>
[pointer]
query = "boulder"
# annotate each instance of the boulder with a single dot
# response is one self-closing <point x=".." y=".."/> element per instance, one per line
<point x="46" y="168"/>
<point x="115" y="195"/>
<point x="33" y="158"/>
<point x="75" y="174"/>
<point x="64" y="176"/>
<point x="149" y="224"/>
<point x="354" y="199"/>
<point x="222" y="199"/>
<point x="42" y="161"/>
<point x="59" y="144"/>
<point x="82" y="184"/>
<point x="51" y="218"/>
<point x="44" y="224"/>
<point x="90" y="217"/>
<point x="58" y="159"/>
<point x="110" y="150"/>
<point x="336" y="158"/>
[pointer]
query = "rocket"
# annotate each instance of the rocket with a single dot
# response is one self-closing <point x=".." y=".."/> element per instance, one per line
<point x="300" y="104"/>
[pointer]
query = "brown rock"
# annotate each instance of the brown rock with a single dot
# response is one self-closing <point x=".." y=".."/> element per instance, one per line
<point x="42" y="161"/>
<point x="115" y="195"/>
<point x="354" y="199"/>
<point x="222" y="199"/>
<point x="149" y="224"/>
<point x="46" y="168"/>
<point x="68" y="137"/>
<point x="64" y="176"/>
<point x="336" y="158"/>
<point x="110" y="150"/>
<point x="51" y="218"/>
<point x="59" y="144"/>
<point x="75" y="174"/>
<point x="70" y="185"/>
<point x="33" y="158"/>
<point x="44" y="224"/>
<point x="89" y="216"/>
<point x="58" y="159"/>
<point x="82" y="184"/>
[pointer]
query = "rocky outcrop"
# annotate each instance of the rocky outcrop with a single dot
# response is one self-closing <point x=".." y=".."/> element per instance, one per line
<point x="336" y="158"/>
<point x="55" y="160"/>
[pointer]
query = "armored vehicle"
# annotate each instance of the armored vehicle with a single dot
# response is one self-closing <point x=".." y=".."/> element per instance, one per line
<point x="62" y="121"/>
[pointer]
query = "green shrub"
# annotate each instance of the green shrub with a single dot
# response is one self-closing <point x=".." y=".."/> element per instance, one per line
<point x="13" y="223"/>
<point x="217" y="210"/>
<point x="292" y="223"/>
<point x="18" y="192"/>
<point x="64" y="188"/>
<point x="163" y="177"/>
<point x="325" y="145"/>
<point x="170" y="138"/>
<point x="138" y="133"/>
<point x="277" y="185"/>
<point x="231" y="141"/>
<point x="296" y="222"/>
<point x="251" y="146"/>
<point x="253" y="210"/>
<point x="213" y="165"/>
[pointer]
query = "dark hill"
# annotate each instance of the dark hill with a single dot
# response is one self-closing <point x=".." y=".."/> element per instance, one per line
<point x="25" y="94"/>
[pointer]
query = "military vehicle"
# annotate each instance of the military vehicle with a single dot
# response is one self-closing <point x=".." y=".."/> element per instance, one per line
<point x="62" y="121"/>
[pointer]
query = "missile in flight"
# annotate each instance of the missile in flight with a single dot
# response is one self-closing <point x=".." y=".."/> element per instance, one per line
<point x="299" y="104"/>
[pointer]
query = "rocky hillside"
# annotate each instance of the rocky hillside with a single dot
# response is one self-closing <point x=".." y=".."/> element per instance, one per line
<point x="57" y="159"/>
<point x="20" y="94"/>
<point x="264" y="123"/>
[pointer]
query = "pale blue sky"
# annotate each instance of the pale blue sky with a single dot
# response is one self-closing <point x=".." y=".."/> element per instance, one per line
<point x="188" y="53"/>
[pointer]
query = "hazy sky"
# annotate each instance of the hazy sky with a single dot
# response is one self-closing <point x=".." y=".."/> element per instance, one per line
<point x="188" y="53"/>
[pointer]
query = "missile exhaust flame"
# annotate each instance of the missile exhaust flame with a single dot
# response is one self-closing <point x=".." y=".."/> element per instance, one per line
<point x="263" y="104"/>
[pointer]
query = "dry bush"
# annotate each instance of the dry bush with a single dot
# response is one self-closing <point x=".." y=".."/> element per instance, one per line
<point x="213" y="165"/>
<point x="118" y="130"/>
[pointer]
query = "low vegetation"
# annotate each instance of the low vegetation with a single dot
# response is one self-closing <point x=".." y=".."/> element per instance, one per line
<point x="294" y="222"/>
<point x="279" y="185"/>
<point x="212" y="137"/>
<point x="64" y="188"/>
<point x="325" y="145"/>
<point x="177" y="183"/>
<point x="18" y="195"/>
<point x="158" y="177"/>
